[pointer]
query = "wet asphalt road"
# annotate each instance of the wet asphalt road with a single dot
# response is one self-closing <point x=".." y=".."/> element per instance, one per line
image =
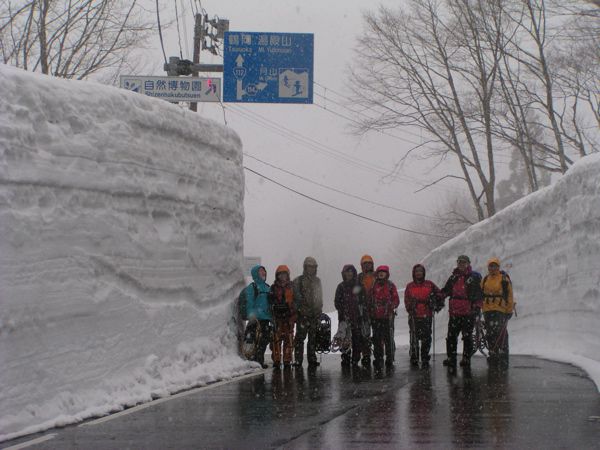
<point x="534" y="404"/>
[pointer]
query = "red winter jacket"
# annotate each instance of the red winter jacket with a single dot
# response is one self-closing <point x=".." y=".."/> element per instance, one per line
<point x="417" y="296"/>
<point x="384" y="300"/>
<point x="464" y="290"/>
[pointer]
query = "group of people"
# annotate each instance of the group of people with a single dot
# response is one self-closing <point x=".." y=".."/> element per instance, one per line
<point x="366" y="304"/>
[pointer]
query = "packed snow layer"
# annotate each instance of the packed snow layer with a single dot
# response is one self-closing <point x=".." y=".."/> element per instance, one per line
<point x="121" y="221"/>
<point x="549" y="242"/>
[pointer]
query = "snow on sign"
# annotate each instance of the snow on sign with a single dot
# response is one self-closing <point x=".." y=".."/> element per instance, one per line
<point x="174" y="89"/>
<point x="268" y="67"/>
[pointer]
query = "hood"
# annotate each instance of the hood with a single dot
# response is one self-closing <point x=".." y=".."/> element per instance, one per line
<point x="254" y="273"/>
<point x="385" y="269"/>
<point x="415" y="268"/>
<point x="353" y="269"/>
<point x="282" y="269"/>
<point x="308" y="261"/>
<point x="364" y="259"/>
<point x="494" y="260"/>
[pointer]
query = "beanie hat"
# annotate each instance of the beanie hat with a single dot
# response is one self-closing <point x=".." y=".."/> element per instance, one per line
<point x="383" y="269"/>
<point x="464" y="258"/>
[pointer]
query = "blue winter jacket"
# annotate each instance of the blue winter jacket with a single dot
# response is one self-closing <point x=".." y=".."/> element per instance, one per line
<point x="258" y="306"/>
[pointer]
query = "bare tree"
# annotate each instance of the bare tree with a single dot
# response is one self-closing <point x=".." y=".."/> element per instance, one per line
<point x="576" y="62"/>
<point x="560" y="57"/>
<point x="71" y="38"/>
<point x="434" y="66"/>
<point x="479" y="77"/>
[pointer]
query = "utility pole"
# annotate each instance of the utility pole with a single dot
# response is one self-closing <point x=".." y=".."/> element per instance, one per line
<point x="184" y="67"/>
<point x="198" y="37"/>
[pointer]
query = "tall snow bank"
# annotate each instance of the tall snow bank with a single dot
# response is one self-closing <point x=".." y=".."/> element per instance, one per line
<point x="121" y="222"/>
<point x="551" y="242"/>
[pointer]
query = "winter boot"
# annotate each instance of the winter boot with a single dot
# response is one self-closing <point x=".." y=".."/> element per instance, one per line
<point x="346" y="359"/>
<point x="450" y="361"/>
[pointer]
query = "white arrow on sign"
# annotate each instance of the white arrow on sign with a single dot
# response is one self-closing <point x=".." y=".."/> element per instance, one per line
<point x="239" y="71"/>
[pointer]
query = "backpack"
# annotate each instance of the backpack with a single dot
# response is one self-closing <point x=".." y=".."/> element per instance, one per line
<point x="323" y="337"/>
<point x="279" y="306"/>
<point x="504" y="282"/>
<point x="243" y="301"/>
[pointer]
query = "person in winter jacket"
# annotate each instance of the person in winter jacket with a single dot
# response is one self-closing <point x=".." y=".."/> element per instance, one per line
<point x="498" y="307"/>
<point x="422" y="299"/>
<point x="367" y="276"/>
<point x="464" y="289"/>
<point x="351" y="304"/>
<point x="383" y="303"/>
<point x="258" y="307"/>
<point x="284" y="317"/>
<point x="308" y="296"/>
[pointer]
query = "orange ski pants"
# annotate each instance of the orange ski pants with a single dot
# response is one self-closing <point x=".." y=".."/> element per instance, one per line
<point x="283" y="340"/>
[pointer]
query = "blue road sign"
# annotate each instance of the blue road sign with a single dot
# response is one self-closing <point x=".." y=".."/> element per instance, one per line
<point x="268" y="67"/>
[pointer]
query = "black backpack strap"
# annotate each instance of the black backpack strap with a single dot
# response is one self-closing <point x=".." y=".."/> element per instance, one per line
<point x="505" y="281"/>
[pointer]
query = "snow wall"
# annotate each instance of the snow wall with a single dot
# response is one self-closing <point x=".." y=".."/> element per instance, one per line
<point x="549" y="242"/>
<point x="121" y="222"/>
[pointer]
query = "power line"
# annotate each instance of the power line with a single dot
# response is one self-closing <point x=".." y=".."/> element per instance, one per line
<point x="306" y="141"/>
<point x="500" y="161"/>
<point x="160" y="31"/>
<point x="185" y="30"/>
<point x="322" y="148"/>
<point x="178" y="32"/>
<point x="344" y="210"/>
<point x="192" y="4"/>
<point x="358" y="122"/>
<point x="338" y="190"/>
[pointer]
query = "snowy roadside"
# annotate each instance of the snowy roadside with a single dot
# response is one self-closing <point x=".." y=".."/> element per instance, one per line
<point x="550" y="243"/>
<point x="121" y="220"/>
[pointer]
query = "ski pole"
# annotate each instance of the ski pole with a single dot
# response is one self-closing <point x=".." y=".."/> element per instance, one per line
<point x="434" y="335"/>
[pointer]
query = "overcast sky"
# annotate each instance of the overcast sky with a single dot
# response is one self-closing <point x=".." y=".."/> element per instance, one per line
<point x="283" y="227"/>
